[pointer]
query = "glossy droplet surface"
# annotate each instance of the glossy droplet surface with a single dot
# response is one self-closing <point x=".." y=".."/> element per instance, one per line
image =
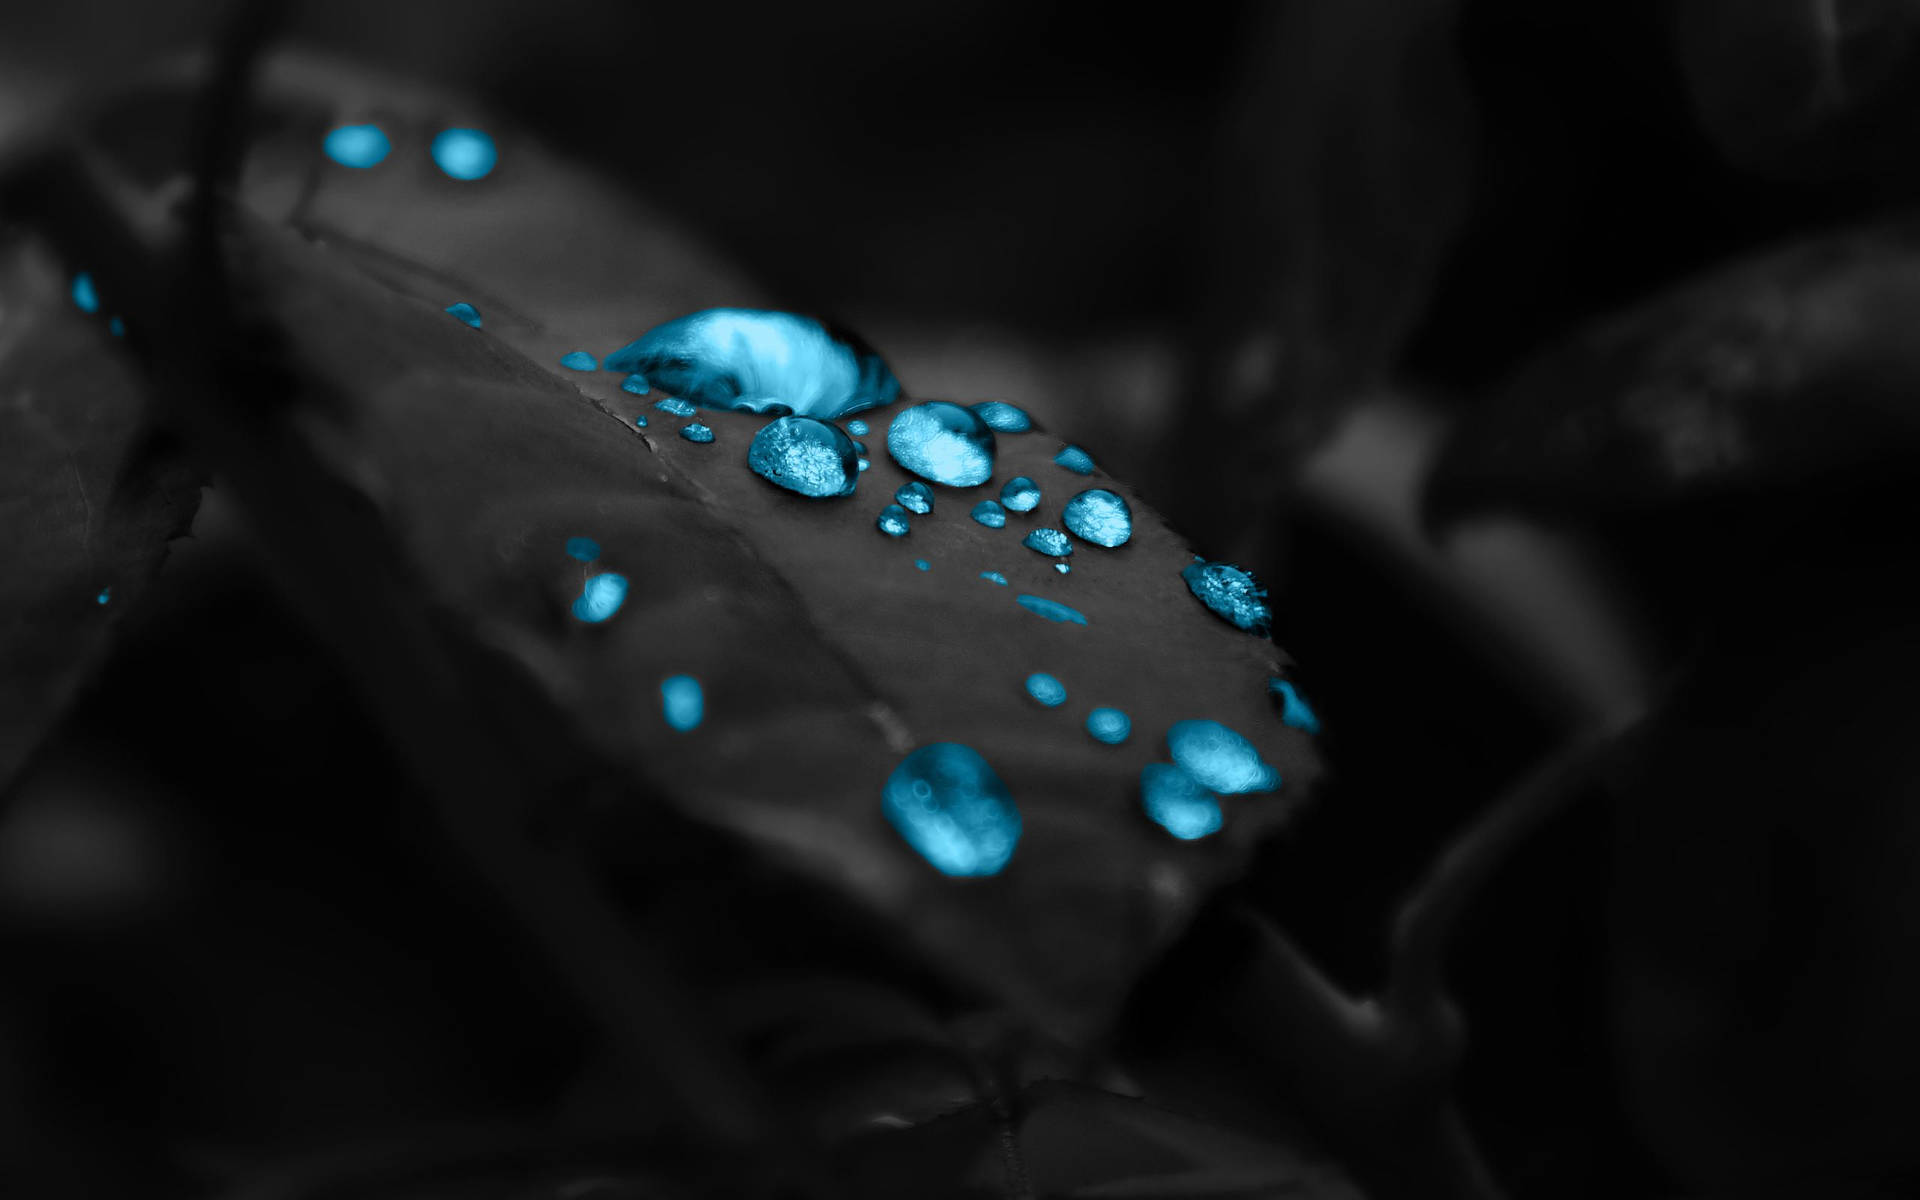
<point x="1099" y="516"/>
<point x="857" y="427"/>
<point x="1074" y="459"/>
<point x="600" y="597"/>
<point x="85" y="296"/>
<point x="1020" y="494"/>
<point x="948" y="804"/>
<point x="696" y="432"/>
<point x="804" y="455"/>
<point x="1063" y="568"/>
<point x="1109" y="725"/>
<point x="465" y="313"/>
<point x="1003" y="417"/>
<point x="1231" y="593"/>
<point x="864" y="464"/>
<point x="994" y="577"/>
<point x="942" y="442"/>
<point x="1048" y="541"/>
<point x="893" y="521"/>
<point x="915" y="497"/>
<point x="675" y="406"/>
<point x="1219" y="758"/>
<point x="1294" y="710"/>
<point x="1052" y="610"/>
<point x="583" y="548"/>
<point x="357" y="146"/>
<point x="990" y="514"/>
<point x="1177" y="802"/>
<point x="465" y="154"/>
<point x="635" y="385"/>
<point x="1046" y="689"/>
<point x="640" y="422"/>
<point x="759" y="361"/>
<point x="682" y="702"/>
<point x="578" y="360"/>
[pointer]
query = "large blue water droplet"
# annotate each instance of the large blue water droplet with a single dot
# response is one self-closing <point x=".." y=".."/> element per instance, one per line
<point x="915" y="497"/>
<point x="804" y="455"/>
<point x="682" y="703"/>
<point x="465" y="154"/>
<point x="990" y="514"/>
<point x="1219" y="758"/>
<point x="465" y="313"/>
<point x="85" y="295"/>
<point x="583" y="548"/>
<point x="1294" y="710"/>
<point x="674" y="406"/>
<point x="635" y="385"/>
<point x="600" y="597"/>
<point x="1177" y="802"/>
<point x="1046" y="689"/>
<point x="358" y="146"/>
<point x="1052" y="610"/>
<point x="1231" y="593"/>
<point x="1109" y="725"/>
<point x="756" y="360"/>
<point x="950" y="806"/>
<point x="857" y="427"/>
<point x="942" y="442"/>
<point x="994" y="577"/>
<point x="893" y="521"/>
<point x="1074" y="459"/>
<point x="1021" y="494"/>
<point x="1003" y="417"/>
<point x="1048" y="541"/>
<point x="578" y="360"/>
<point x="1099" y="516"/>
<point x="1063" y="568"/>
<point x="696" y="432"/>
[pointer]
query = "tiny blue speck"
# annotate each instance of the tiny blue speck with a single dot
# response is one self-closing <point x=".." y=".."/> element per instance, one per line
<point x="583" y="548"/>
<point x="1046" y="689"/>
<point x="1063" y="568"/>
<point x="1099" y="516"/>
<point x="860" y="448"/>
<point x="682" y="702"/>
<point x="640" y="422"/>
<point x="1021" y="494"/>
<point x="1052" y="610"/>
<point x="1294" y="710"/>
<point x="942" y="442"/>
<point x="1219" y="758"/>
<point x="921" y="564"/>
<point x="948" y="804"/>
<point x="464" y="153"/>
<point x="465" y="312"/>
<point x="1048" y="541"/>
<point x="634" y="384"/>
<point x="1177" y="802"/>
<point x="600" y="598"/>
<point x="1109" y="725"/>
<point x="1003" y="417"/>
<point x="675" y="406"/>
<point x="915" y="497"/>
<point x="1074" y="459"/>
<point x="116" y="327"/>
<point x="893" y="521"/>
<point x="106" y="594"/>
<point x="358" y="146"/>
<point x="84" y="294"/>
<point x="994" y="577"/>
<point x="1233" y="595"/>
<point x="990" y="514"/>
<point x="696" y="432"/>
<point x="578" y="360"/>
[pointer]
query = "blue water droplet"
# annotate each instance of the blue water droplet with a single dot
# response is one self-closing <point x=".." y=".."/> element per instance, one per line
<point x="915" y="497"/>
<point x="1109" y="725"/>
<point x="1052" y="610"/>
<point x="106" y="594"/>
<point x="950" y="806"/>
<point x="640" y="422"/>
<point x="578" y="360"/>
<point x="682" y="702"/>
<point x="600" y="597"/>
<point x="696" y="432"/>
<point x="893" y="521"/>
<point x="1177" y="802"/>
<point x="804" y="455"/>
<point x="864" y="464"/>
<point x="465" y="154"/>
<point x="1219" y="758"/>
<point x="1048" y="541"/>
<point x="942" y="442"/>
<point x="1046" y="689"/>
<point x="1099" y="516"/>
<point x="921" y="564"/>
<point x="1063" y="568"/>
<point x="462" y="311"/>
<point x="857" y="427"/>
<point x="990" y="514"/>
<point x="1074" y="459"/>
<point x="116" y="326"/>
<point x="1294" y="710"/>
<point x="357" y="146"/>
<point x="85" y="295"/>
<point x="860" y="448"/>
<point x="1231" y="593"/>
<point x="994" y="577"/>
<point x="675" y="406"/>
<point x="635" y="385"/>
<point x="583" y="548"/>
<point x="1003" y="417"/>
<point x="1021" y="494"/>
<point x="757" y="360"/>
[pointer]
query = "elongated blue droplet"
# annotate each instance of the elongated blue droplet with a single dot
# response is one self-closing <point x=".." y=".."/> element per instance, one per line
<point x="864" y="464"/>
<point x="893" y="521"/>
<point x="106" y="594"/>
<point x="1232" y="594"/>
<point x="465" y="313"/>
<point x="85" y="296"/>
<point x="583" y="548"/>
<point x="1074" y="459"/>
<point x="682" y="702"/>
<point x="759" y="361"/>
<point x="990" y="514"/>
<point x="1063" y="568"/>
<point x="1046" y="689"/>
<point x="1048" y="541"/>
<point x="578" y="360"/>
<point x="1099" y="516"/>
<point x="1020" y="494"/>
<point x="948" y="804"/>
<point x="1052" y="610"/>
<point x="600" y="597"/>
<point x="915" y="497"/>
<point x="994" y="577"/>
<point x="804" y="455"/>
<point x="675" y="406"/>
<point x="357" y="146"/>
<point x="1109" y="725"/>
<point x="1294" y="710"/>
<point x="635" y="385"/>
<point x="1178" y="802"/>
<point x="921" y="564"/>
<point x="942" y="442"/>
<point x="1002" y="417"/>
<point x="857" y="427"/>
<point x="1219" y="758"/>
<point x="696" y="432"/>
<point x="465" y="154"/>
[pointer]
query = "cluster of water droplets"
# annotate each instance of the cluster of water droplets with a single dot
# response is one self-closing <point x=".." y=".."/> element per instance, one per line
<point x="463" y="154"/>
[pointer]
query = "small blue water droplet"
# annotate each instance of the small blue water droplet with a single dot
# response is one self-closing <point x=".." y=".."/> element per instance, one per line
<point x="583" y="548"/>
<point x="1231" y="593"/>
<point x="860" y="448"/>
<point x="915" y="497"/>
<point x="759" y="361"/>
<point x="1219" y="758"/>
<point x="106" y="594"/>
<point x="84" y="294"/>
<point x="578" y="360"/>
<point x="1048" y="541"/>
<point x="696" y="432"/>
<point x="1021" y="494"/>
<point x="1109" y="725"/>
<point x="1294" y="710"/>
<point x="804" y="455"/>
<point x="465" y="313"/>
<point x="921" y="564"/>
<point x="857" y="427"/>
<point x="640" y="422"/>
<point x="1063" y="568"/>
<point x="1074" y="459"/>
<point x="634" y="385"/>
<point x="600" y="597"/>
<point x="1003" y="417"/>
<point x="893" y="521"/>
<point x="465" y="154"/>
<point x="675" y="406"/>
<point x="682" y="702"/>
<point x="116" y="326"/>
<point x="990" y="514"/>
<point x="864" y="464"/>
<point x="1099" y="516"/>
<point x="1052" y="610"/>
<point x="942" y="442"/>
<point x="994" y="577"/>
<point x="357" y="146"/>
<point x="1046" y="689"/>
<point x="950" y="807"/>
<point x="1177" y="802"/>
